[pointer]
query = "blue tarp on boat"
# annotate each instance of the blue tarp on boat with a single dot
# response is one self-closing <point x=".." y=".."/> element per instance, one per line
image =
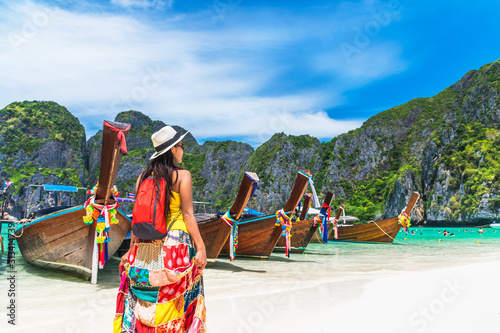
<point x="60" y="188"/>
<point x="253" y="212"/>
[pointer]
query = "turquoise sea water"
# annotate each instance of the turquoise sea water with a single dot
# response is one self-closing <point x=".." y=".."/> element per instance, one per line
<point x="425" y="249"/>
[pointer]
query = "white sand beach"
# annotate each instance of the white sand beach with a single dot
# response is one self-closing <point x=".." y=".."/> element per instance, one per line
<point x="241" y="300"/>
<point x="458" y="299"/>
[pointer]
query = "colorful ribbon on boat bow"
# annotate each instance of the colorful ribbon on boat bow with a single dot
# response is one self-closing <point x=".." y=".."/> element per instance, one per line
<point x="233" y="239"/>
<point x="335" y="221"/>
<point x="404" y="219"/>
<point x="285" y="222"/>
<point x="323" y="223"/>
<point x="104" y="216"/>
<point x="326" y="211"/>
<point x="121" y="137"/>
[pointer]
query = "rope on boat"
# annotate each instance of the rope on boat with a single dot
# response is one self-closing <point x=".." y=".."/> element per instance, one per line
<point x="388" y="234"/>
<point x="12" y="236"/>
<point x="24" y="222"/>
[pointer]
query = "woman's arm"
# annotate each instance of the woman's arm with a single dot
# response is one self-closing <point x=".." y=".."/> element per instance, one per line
<point x="186" y="193"/>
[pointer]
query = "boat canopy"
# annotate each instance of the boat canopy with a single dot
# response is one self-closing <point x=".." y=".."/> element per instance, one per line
<point x="347" y="218"/>
<point x="60" y="188"/>
<point x="253" y="212"/>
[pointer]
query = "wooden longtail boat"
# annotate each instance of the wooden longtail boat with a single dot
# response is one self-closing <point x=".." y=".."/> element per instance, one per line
<point x="60" y="240"/>
<point x="383" y="231"/>
<point x="257" y="237"/>
<point x="215" y="232"/>
<point x="303" y="230"/>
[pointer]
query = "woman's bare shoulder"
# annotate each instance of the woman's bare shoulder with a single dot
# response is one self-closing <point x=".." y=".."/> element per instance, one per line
<point x="183" y="173"/>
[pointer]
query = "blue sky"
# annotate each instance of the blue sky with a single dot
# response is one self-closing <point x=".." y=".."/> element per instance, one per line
<point x="241" y="70"/>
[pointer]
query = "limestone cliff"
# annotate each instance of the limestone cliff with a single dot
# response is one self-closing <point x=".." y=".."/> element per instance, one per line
<point x="41" y="142"/>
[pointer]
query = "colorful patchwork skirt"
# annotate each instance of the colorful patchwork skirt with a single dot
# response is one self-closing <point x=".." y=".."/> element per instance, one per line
<point x="161" y="289"/>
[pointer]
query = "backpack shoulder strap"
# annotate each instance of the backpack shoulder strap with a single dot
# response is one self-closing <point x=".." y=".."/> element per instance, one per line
<point x="173" y="220"/>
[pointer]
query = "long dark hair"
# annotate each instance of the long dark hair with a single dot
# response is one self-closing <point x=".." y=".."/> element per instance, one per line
<point x="162" y="167"/>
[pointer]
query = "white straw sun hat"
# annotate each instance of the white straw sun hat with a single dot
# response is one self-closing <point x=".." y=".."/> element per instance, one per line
<point x="165" y="139"/>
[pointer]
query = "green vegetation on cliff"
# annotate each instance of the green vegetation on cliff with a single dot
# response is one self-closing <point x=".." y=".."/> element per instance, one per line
<point x="33" y="134"/>
<point x="26" y="126"/>
<point x="474" y="161"/>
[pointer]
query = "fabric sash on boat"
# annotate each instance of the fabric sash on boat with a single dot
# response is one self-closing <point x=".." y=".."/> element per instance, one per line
<point x="404" y="219"/>
<point x="285" y="222"/>
<point x="322" y="218"/>
<point x="335" y="221"/>
<point x="120" y="136"/>
<point x="325" y="210"/>
<point x="233" y="239"/>
<point x="311" y="183"/>
<point x="104" y="216"/>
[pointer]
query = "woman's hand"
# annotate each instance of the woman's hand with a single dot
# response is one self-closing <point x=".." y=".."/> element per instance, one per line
<point x="200" y="259"/>
<point x="124" y="258"/>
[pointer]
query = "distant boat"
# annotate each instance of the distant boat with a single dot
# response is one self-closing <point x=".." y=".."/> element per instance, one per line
<point x="258" y="236"/>
<point x="57" y="239"/>
<point x="495" y="225"/>
<point x="383" y="231"/>
<point x="214" y="231"/>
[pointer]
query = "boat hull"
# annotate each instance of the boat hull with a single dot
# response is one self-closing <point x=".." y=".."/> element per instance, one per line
<point x="62" y="242"/>
<point x="215" y="232"/>
<point x="301" y="235"/>
<point x="384" y="231"/>
<point x="256" y="238"/>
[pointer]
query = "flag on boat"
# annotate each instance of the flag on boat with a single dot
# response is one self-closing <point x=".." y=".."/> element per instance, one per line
<point x="131" y="195"/>
<point x="6" y="184"/>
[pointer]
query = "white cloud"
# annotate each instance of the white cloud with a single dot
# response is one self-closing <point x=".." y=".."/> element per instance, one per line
<point x="360" y="66"/>
<point x="210" y="83"/>
<point x="143" y="3"/>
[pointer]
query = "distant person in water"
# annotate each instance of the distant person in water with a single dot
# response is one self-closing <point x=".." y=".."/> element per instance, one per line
<point x="445" y="232"/>
<point x="480" y="230"/>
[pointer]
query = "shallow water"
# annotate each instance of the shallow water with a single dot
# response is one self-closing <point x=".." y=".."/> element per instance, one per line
<point x="346" y="261"/>
<point x="58" y="302"/>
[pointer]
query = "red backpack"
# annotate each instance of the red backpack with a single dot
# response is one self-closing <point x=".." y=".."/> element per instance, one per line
<point x="148" y="216"/>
